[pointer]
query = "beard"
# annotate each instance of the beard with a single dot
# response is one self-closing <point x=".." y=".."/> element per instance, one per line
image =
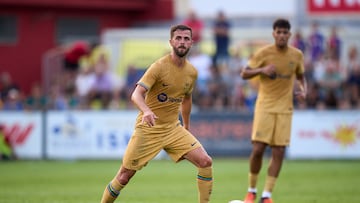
<point x="282" y="44"/>
<point x="180" y="52"/>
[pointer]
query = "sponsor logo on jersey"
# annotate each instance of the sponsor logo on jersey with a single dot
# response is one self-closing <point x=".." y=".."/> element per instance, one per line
<point x="162" y="97"/>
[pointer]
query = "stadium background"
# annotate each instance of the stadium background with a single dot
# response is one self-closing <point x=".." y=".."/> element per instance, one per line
<point x="35" y="35"/>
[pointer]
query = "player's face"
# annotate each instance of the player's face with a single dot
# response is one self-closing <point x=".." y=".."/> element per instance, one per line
<point x="181" y="42"/>
<point x="281" y="36"/>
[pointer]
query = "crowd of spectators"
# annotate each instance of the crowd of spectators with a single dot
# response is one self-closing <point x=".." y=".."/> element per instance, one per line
<point x="333" y="83"/>
<point x="87" y="82"/>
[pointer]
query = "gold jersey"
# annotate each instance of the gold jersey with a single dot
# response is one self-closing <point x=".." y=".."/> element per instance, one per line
<point x="167" y="84"/>
<point x="276" y="95"/>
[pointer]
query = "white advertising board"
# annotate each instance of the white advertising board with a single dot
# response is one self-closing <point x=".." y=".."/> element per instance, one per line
<point x="325" y="134"/>
<point x="25" y="130"/>
<point x="88" y="134"/>
<point x="105" y="134"/>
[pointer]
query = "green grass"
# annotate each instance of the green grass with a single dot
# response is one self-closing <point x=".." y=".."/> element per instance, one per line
<point x="166" y="182"/>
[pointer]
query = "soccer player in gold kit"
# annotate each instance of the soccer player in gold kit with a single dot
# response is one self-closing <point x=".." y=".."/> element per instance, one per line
<point x="161" y="94"/>
<point x="278" y="67"/>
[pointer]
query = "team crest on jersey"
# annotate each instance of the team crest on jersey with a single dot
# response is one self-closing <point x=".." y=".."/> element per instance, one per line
<point x="291" y="65"/>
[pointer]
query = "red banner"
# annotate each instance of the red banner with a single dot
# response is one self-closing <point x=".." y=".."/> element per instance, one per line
<point x="333" y="6"/>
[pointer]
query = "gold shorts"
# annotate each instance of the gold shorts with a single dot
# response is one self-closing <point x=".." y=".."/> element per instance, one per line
<point x="272" y="128"/>
<point x="147" y="142"/>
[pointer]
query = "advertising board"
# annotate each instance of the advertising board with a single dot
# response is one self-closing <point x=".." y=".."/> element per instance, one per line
<point x="25" y="132"/>
<point x="325" y="135"/>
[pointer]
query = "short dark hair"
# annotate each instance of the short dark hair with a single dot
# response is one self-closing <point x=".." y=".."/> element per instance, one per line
<point x="179" y="27"/>
<point x="281" y="23"/>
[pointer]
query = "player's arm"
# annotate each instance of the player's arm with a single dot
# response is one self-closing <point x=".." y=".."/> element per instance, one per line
<point x="186" y="110"/>
<point x="138" y="97"/>
<point x="248" y="73"/>
<point x="302" y="84"/>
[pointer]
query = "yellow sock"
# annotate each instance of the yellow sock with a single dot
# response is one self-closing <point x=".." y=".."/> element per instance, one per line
<point x="252" y="180"/>
<point x="205" y="182"/>
<point x="112" y="191"/>
<point x="270" y="183"/>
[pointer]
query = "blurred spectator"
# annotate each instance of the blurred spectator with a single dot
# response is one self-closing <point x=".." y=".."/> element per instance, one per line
<point x="68" y="88"/>
<point x="353" y="59"/>
<point x="353" y="77"/>
<point x="36" y="100"/>
<point x="85" y="79"/>
<point x="6" y="85"/>
<point x="243" y="97"/>
<point x="57" y="100"/>
<point x="217" y="90"/>
<point x="333" y="44"/>
<point x="132" y="77"/>
<point x="221" y="29"/>
<point x="344" y="103"/>
<point x="331" y="83"/>
<point x="330" y="99"/>
<point x="73" y="54"/>
<point x="11" y="95"/>
<point x="353" y="84"/>
<point x="230" y="72"/>
<point x="234" y="84"/>
<point x="196" y="25"/>
<point x="120" y="100"/>
<point x="313" y="98"/>
<point x="98" y="52"/>
<point x="319" y="67"/>
<point x="237" y="101"/>
<point x="202" y="62"/>
<point x="13" y="101"/>
<point x="299" y="41"/>
<point x="316" y="42"/>
<point x="101" y="90"/>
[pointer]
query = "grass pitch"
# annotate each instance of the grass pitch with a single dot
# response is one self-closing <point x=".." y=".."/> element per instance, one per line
<point x="166" y="182"/>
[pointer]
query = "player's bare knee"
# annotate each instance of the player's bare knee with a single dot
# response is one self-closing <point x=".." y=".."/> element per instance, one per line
<point x="278" y="151"/>
<point x="125" y="175"/>
<point x="258" y="150"/>
<point x="123" y="179"/>
<point x="205" y="162"/>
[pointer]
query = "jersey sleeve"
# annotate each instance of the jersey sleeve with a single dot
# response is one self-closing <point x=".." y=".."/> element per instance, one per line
<point x="149" y="78"/>
<point x="257" y="60"/>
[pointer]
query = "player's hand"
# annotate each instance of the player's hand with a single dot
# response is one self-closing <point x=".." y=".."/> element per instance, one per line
<point x="300" y="96"/>
<point x="149" y="118"/>
<point x="269" y="71"/>
<point x="186" y="127"/>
